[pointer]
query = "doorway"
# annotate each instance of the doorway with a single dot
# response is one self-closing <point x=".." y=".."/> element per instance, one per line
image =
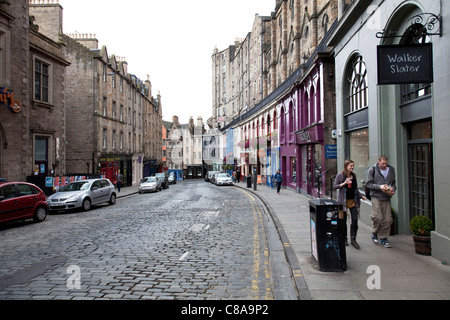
<point x="420" y="158"/>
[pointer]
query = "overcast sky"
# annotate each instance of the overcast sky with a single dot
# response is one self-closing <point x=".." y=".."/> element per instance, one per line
<point x="171" y="41"/>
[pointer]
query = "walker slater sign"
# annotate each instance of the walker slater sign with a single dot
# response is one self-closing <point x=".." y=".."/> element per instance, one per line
<point x="402" y="64"/>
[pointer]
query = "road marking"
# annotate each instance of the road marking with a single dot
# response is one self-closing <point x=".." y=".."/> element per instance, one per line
<point x="184" y="255"/>
<point x="197" y="227"/>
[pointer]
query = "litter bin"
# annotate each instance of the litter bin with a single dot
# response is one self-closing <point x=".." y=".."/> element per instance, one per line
<point x="249" y="181"/>
<point x="328" y="234"/>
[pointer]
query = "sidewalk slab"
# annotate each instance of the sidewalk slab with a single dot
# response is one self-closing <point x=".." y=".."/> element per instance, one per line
<point x="404" y="275"/>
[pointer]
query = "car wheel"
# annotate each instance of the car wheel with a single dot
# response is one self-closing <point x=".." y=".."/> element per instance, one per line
<point x="86" y="204"/>
<point x="112" y="200"/>
<point x="40" y="214"/>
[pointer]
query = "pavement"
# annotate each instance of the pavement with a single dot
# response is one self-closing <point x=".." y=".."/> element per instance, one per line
<point x="373" y="272"/>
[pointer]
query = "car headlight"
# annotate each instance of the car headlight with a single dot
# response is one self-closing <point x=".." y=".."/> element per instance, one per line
<point x="72" y="199"/>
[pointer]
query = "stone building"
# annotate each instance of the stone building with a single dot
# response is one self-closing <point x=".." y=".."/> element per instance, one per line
<point x="114" y="123"/>
<point x="33" y="101"/>
<point x="278" y="55"/>
<point x="184" y="148"/>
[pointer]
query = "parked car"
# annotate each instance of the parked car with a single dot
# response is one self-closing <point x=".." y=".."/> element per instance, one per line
<point x="164" y="179"/>
<point x="83" y="194"/>
<point x="21" y="200"/>
<point x="172" y="178"/>
<point x="214" y="176"/>
<point x="223" y="179"/>
<point x="209" y="175"/>
<point x="150" y="184"/>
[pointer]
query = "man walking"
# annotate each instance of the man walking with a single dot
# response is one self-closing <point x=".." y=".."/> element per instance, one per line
<point x="382" y="185"/>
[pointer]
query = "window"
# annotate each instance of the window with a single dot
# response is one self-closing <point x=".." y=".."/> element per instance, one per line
<point x="114" y="140"/>
<point x="104" y="72"/>
<point x="357" y="116"/>
<point x="41" y="81"/>
<point x="293" y="170"/>
<point x="114" y="110"/>
<point x="105" y="136"/>
<point x="359" y="152"/>
<point x="105" y="107"/>
<point x="8" y="191"/>
<point x="357" y="97"/>
<point x="24" y="190"/>
<point x="410" y="92"/>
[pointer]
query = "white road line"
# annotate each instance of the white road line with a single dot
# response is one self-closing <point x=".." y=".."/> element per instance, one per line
<point x="184" y="255"/>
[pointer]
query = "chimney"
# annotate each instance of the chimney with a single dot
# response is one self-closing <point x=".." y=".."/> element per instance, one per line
<point x="49" y="17"/>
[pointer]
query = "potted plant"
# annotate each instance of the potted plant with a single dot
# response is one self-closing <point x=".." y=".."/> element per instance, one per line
<point x="421" y="227"/>
<point x="394" y="222"/>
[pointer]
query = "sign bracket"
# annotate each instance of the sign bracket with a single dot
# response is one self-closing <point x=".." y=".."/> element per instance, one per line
<point x="424" y="24"/>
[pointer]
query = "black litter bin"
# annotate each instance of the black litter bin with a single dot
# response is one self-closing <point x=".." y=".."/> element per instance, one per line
<point x="249" y="181"/>
<point x="328" y="234"/>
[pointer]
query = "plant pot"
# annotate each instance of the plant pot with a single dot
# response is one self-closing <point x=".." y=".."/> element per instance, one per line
<point x="422" y="245"/>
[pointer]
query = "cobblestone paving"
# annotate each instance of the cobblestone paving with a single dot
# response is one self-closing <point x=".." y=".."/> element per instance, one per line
<point x="191" y="241"/>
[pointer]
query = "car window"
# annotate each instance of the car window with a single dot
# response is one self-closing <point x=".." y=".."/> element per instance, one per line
<point x="96" y="184"/>
<point x="104" y="183"/>
<point x="24" y="190"/>
<point x="75" y="186"/>
<point x="8" y="191"/>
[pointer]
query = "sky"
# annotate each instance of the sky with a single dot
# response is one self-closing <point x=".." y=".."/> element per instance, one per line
<point x="171" y="41"/>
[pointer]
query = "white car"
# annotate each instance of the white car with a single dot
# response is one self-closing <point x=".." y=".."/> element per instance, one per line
<point x="150" y="184"/>
<point x="83" y="194"/>
<point x="223" y="179"/>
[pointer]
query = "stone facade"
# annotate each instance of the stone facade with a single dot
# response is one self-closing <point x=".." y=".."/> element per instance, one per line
<point x="248" y="71"/>
<point x="31" y="137"/>
<point x="114" y="124"/>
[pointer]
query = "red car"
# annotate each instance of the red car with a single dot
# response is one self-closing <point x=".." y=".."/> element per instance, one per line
<point x="21" y="200"/>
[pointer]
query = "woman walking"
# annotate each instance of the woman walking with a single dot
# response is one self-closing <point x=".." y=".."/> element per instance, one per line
<point x="350" y="197"/>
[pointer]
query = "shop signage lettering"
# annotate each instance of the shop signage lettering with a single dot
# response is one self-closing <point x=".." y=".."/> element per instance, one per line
<point x="403" y="64"/>
<point x="304" y="136"/>
<point x="7" y="98"/>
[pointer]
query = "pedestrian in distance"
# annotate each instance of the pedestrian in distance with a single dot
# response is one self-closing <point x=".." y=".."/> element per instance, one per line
<point x="279" y="180"/>
<point x="350" y="197"/>
<point x="119" y="181"/>
<point x="238" y="176"/>
<point x="382" y="184"/>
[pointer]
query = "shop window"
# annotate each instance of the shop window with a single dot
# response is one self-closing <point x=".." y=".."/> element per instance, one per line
<point x="293" y="170"/>
<point x="359" y="152"/>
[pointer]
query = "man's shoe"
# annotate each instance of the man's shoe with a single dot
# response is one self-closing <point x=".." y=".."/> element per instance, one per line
<point x="375" y="238"/>
<point x="385" y="243"/>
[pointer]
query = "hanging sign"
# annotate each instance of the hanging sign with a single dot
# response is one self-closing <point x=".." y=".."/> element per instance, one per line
<point x="404" y="64"/>
<point x="7" y="98"/>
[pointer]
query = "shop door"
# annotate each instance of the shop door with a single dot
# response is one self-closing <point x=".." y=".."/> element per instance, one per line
<point x="421" y="180"/>
<point x="41" y="156"/>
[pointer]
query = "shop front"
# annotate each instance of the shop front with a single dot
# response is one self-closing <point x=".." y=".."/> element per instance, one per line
<point x="311" y="154"/>
<point x="110" y="166"/>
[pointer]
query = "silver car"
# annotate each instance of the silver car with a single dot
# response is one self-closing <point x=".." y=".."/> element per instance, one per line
<point x="150" y="184"/>
<point x="83" y="194"/>
<point x="223" y="179"/>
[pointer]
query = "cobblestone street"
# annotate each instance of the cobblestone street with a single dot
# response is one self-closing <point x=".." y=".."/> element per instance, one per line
<point x="191" y="241"/>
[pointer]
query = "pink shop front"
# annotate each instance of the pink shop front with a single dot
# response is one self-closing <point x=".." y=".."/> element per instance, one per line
<point x="307" y="118"/>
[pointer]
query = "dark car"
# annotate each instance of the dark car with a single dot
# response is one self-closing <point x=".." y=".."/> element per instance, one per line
<point x="164" y="178"/>
<point x="21" y="200"/>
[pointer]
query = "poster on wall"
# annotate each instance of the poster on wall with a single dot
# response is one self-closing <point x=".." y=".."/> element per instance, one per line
<point x="404" y="64"/>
